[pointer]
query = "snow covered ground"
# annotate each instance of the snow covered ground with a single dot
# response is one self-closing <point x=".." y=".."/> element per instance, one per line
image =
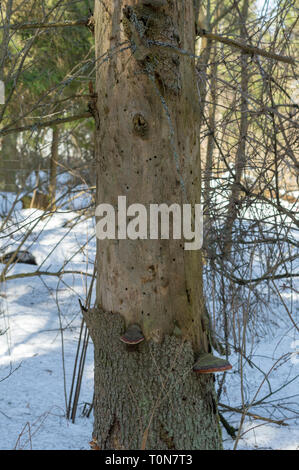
<point x="275" y="356"/>
<point x="32" y="398"/>
<point x="33" y="380"/>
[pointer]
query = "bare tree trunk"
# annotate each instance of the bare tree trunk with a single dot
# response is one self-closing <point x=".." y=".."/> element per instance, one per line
<point x="53" y="166"/>
<point x="240" y="160"/>
<point x="148" y="150"/>
<point x="203" y="49"/>
<point x="210" y="149"/>
<point x="9" y="163"/>
<point x="5" y="36"/>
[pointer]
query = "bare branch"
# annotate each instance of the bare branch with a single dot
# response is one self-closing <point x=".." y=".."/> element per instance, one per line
<point x="42" y="273"/>
<point x="41" y="125"/>
<point x="246" y="48"/>
<point x="63" y="24"/>
<point x="254" y="415"/>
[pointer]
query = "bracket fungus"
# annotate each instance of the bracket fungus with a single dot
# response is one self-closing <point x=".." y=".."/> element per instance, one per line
<point x="133" y="335"/>
<point x="209" y="364"/>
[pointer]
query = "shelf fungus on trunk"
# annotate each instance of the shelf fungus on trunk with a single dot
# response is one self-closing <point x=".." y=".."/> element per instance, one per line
<point x="209" y="364"/>
<point x="133" y="335"/>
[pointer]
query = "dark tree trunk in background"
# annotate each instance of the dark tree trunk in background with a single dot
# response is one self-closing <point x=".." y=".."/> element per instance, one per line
<point x="9" y="163"/>
<point x="53" y="166"/>
<point x="149" y="397"/>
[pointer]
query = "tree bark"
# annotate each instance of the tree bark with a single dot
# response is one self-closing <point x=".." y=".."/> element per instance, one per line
<point x="53" y="166"/>
<point x="147" y="149"/>
<point x="240" y="160"/>
<point x="208" y="172"/>
<point x="9" y="163"/>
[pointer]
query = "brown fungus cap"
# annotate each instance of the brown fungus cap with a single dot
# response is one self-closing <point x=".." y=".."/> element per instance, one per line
<point x="133" y="335"/>
<point x="209" y="364"/>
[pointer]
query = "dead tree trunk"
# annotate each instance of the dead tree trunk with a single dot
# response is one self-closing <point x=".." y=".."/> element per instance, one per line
<point x="208" y="172"/>
<point x="240" y="160"/>
<point x="147" y="149"/>
<point x="53" y="166"/>
<point x="9" y="163"/>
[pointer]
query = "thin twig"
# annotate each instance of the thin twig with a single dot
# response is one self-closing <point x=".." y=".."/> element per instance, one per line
<point x="253" y="415"/>
<point x="246" y="48"/>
